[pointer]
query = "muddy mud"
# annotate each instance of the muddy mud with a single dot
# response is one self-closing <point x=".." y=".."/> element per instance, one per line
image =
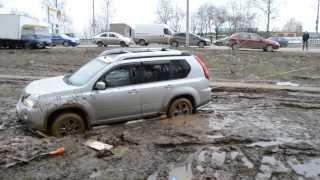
<point x="253" y="135"/>
<point x="241" y="134"/>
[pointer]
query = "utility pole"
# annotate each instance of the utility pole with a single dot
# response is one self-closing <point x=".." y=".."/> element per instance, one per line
<point x="187" y="25"/>
<point x="57" y="23"/>
<point x="317" y="21"/>
<point x="107" y="18"/>
<point x="268" y="14"/>
<point x="93" y="19"/>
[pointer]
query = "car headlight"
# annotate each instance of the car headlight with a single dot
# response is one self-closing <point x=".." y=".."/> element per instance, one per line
<point x="30" y="101"/>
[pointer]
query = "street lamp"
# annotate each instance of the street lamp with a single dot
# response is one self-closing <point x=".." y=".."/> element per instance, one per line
<point x="187" y="25"/>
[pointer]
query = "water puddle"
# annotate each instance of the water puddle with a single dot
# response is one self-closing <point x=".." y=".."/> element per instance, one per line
<point x="308" y="169"/>
<point x="183" y="172"/>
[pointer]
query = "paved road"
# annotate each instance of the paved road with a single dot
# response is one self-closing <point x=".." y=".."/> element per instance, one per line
<point x="288" y="49"/>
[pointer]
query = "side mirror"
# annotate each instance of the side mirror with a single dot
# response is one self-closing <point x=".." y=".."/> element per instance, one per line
<point x="100" y="85"/>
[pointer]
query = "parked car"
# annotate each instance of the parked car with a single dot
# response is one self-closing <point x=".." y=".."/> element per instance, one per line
<point x="222" y="41"/>
<point x="118" y="85"/>
<point x="112" y="38"/>
<point x="145" y="34"/>
<point x="252" y="41"/>
<point x="282" y="41"/>
<point x="194" y="40"/>
<point x="65" y="40"/>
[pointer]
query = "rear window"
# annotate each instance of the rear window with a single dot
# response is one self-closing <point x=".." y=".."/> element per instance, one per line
<point x="167" y="31"/>
<point x="166" y="70"/>
<point x="179" y="69"/>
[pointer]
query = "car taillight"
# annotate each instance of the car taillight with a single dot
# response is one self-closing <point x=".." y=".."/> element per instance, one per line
<point x="204" y="67"/>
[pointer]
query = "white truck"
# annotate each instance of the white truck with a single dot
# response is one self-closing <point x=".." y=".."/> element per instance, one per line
<point x="145" y="34"/>
<point x="22" y="32"/>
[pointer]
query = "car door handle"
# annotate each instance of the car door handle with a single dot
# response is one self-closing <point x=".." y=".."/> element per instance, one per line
<point x="168" y="86"/>
<point x="133" y="91"/>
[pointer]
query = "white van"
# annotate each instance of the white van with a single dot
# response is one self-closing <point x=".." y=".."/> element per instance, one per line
<point x="152" y="33"/>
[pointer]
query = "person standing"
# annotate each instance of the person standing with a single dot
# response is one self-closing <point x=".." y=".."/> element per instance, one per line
<point x="305" y="39"/>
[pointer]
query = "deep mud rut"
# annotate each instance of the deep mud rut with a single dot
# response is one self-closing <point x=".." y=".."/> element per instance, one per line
<point x="240" y="135"/>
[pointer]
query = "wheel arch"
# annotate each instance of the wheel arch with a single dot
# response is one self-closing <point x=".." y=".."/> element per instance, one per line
<point x="74" y="109"/>
<point x="188" y="96"/>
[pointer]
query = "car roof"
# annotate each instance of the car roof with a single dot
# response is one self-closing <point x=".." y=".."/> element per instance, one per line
<point x="134" y="53"/>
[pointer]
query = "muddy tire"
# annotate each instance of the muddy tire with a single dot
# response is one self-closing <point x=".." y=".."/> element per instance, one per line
<point x="235" y="47"/>
<point x="67" y="124"/>
<point x="174" y="44"/>
<point x="201" y="44"/>
<point x="142" y="42"/>
<point x="180" y="107"/>
<point x="100" y="44"/>
<point x="269" y="48"/>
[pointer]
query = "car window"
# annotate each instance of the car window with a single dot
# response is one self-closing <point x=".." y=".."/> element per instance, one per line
<point x="179" y="69"/>
<point x="181" y="35"/>
<point x="118" y="77"/>
<point x="153" y="72"/>
<point x="244" y="36"/>
<point x="112" y="35"/>
<point x="122" y="76"/>
<point x="255" y="37"/>
<point x="167" y="31"/>
<point x="103" y="35"/>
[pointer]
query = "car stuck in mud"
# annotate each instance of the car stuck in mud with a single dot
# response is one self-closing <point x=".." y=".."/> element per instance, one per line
<point x="118" y="85"/>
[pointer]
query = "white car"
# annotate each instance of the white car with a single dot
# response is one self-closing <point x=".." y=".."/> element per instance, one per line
<point x="112" y="38"/>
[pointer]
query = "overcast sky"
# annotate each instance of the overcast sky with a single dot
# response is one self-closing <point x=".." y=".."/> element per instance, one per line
<point x="144" y="11"/>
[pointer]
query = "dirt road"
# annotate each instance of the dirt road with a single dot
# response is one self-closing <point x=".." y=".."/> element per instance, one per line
<point x="242" y="134"/>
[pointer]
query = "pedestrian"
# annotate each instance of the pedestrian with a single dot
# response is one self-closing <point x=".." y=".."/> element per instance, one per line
<point x="305" y="39"/>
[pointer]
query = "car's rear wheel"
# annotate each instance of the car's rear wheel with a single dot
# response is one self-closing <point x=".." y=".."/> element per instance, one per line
<point x="67" y="124"/>
<point x="65" y="44"/>
<point x="180" y="107"/>
<point x="269" y="48"/>
<point x="201" y="44"/>
<point x="235" y="47"/>
<point x="100" y="44"/>
<point x="123" y="44"/>
<point x="142" y="42"/>
<point x="174" y="44"/>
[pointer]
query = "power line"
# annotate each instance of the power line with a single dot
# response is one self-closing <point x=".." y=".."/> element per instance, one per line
<point x="187" y="25"/>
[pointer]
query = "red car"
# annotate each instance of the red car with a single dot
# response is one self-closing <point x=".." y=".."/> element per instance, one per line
<point x="252" y="41"/>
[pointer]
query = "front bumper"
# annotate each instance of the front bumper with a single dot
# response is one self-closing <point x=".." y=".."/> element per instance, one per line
<point x="33" y="117"/>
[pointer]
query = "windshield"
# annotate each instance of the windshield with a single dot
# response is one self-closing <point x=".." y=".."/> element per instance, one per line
<point x="86" y="72"/>
<point x="65" y="36"/>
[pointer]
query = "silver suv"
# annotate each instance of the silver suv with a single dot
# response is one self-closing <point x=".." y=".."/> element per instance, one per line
<point x="118" y="85"/>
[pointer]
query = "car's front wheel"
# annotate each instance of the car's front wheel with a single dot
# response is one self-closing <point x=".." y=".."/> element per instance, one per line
<point x="67" y="124"/>
<point x="174" y="44"/>
<point x="123" y="44"/>
<point x="235" y="46"/>
<point x="269" y="48"/>
<point x="100" y="44"/>
<point x="180" y="107"/>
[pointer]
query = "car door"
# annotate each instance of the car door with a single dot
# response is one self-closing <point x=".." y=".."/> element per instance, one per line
<point x="113" y="40"/>
<point x="121" y="100"/>
<point x="57" y="39"/>
<point x="244" y="40"/>
<point x="156" y="86"/>
<point x="103" y="37"/>
<point x="256" y="42"/>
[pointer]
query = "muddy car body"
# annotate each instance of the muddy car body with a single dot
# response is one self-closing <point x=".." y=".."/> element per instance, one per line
<point x="118" y="85"/>
<point x="252" y="41"/>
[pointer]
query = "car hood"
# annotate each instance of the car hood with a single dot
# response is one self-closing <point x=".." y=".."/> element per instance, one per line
<point x="271" y="41"/>
<point x="48" y="86"/>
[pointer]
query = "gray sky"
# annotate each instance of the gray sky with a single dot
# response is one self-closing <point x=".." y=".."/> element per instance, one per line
<point x="144" y="11"/>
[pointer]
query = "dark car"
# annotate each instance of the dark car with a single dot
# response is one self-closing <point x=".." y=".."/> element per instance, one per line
<point x="252" y="41"/>
<point x="194" y="40"/>
<point x="62" y="39"/>
<point x="282" y="41"/>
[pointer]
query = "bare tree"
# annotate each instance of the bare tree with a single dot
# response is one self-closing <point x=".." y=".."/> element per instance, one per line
<point x="241" y="16"/>
<point x="292" y="26"/>
<point x="106" y="13"/>
<point x="268" y="8"/>
<point x="194" y="23"/>
<point x="165" y="11"/>
<point x="203" y="18"/>
<point x="218" y="16"/>
<point x="177" y="19"/>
